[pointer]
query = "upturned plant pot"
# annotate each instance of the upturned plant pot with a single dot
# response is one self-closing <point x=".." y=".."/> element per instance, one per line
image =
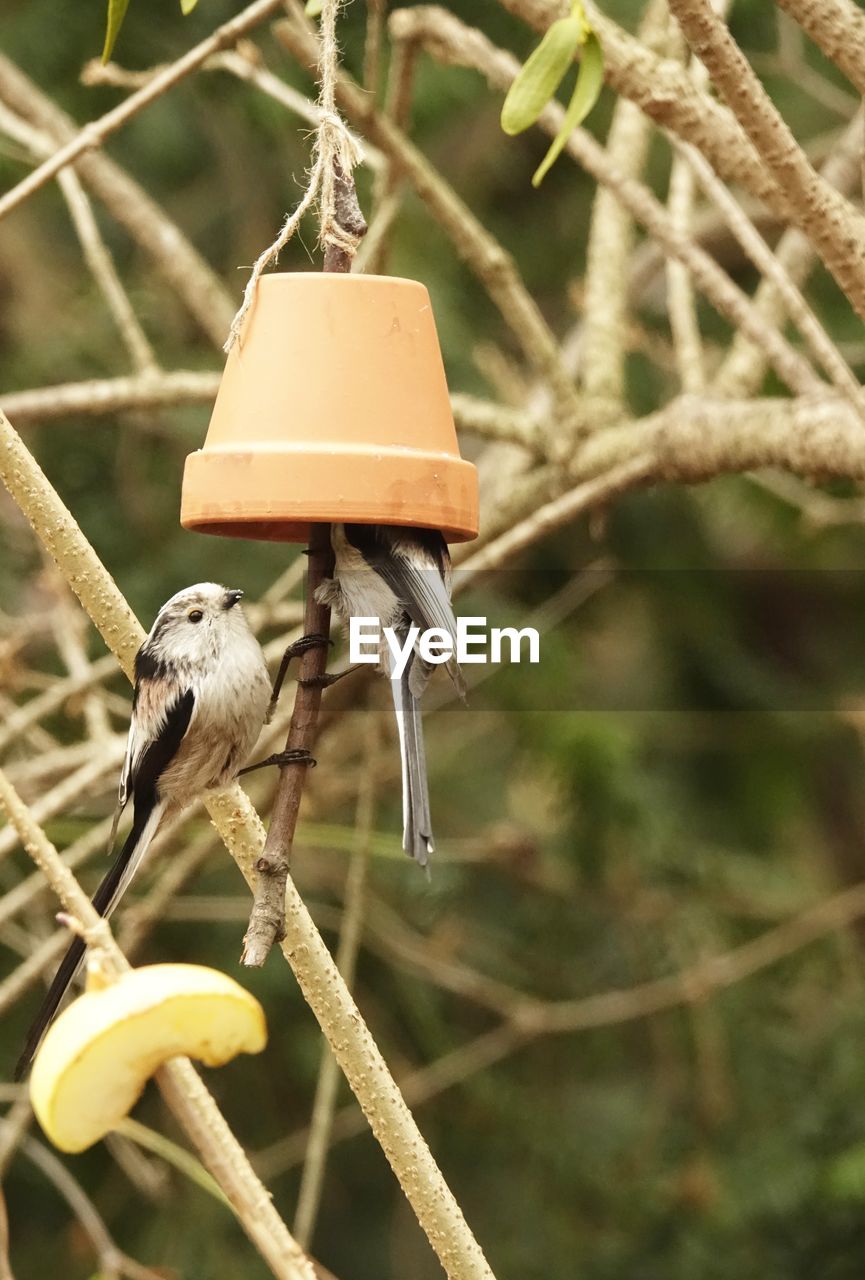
<point x="333" y="407"/>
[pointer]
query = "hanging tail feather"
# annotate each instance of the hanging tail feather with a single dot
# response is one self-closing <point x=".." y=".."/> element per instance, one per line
<point x="417" y="828"/>
<point x="105" y="899"/>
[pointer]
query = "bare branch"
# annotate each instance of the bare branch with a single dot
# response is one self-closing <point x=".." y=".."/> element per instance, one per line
<point x="95" y="133"/>
<point x="267" y="918"/>
<point x="838" y="28"/>
<point x="608" y="253"/>
<point x="836" y="228"/>
<point x="745" y="365"/>
<point x="452" y="41"/>
<point x="177" y="261"/>
<point x="662" y="88"/>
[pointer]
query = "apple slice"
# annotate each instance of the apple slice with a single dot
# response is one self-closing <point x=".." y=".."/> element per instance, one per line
<point x="97" y="1057"/>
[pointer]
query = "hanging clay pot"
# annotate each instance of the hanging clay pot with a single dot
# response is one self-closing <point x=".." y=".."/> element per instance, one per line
<point x="333" y="407"/>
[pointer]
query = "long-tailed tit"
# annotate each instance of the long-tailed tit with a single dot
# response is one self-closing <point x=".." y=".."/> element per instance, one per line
<point x="402" y="577"/>
<point x="201" y="693"/>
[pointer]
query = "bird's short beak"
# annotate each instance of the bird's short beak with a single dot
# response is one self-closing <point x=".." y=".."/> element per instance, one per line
<point x="231" y="598"/>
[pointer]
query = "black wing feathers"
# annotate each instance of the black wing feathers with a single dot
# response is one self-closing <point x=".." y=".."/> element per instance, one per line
<point x="157" y="755"/>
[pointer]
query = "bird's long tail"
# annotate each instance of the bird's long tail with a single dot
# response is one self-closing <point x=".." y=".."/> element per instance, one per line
<point x="105" y="899"/>
<point x="417" y="837"/>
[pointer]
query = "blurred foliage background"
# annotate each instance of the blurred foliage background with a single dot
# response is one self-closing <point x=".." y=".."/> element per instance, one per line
<point x="681" y="773"/>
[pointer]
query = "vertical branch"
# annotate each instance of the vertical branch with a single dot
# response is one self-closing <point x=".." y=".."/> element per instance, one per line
<point x="267" y="919"/>
<point x="605" y="313"/>
<point x="349" y="224"/>
<point x="389" y="185"/>
<point x="681" y="299"/>
<point x="681" y="296"/>
<point x="375" y="15"/>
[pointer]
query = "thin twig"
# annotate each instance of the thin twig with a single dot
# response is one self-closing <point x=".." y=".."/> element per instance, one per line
<point x="52" y="698"/>
<point x="191" y="279"/>
<point x="665" y="92"/>
<point x="96" y="253"/>
<point x="610" y="242"/>
<point x="95" y="133"/>
<point x="744" y="367"/>
<point x="387" y="195"/>
<point x="560" y="511"/>
<point x="103" y="761"/>
<point x="681" y="300"/>
<point x="451" y="40"/>
<point x="70" y="628"/>
<point x="104" y="272"/>
<point x="267" y="918"/>
<point x="823" y="349"/>
<point x="112" y="1261"/>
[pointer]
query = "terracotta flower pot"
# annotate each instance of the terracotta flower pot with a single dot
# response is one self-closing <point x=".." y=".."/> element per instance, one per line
<point x="333" y="406"/>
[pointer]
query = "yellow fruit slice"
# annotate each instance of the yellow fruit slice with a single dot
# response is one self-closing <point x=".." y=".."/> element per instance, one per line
<point x="97" y="1057"/>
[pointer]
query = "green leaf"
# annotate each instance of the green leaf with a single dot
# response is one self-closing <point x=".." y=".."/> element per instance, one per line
<point x="313" y="8"/>
<point x="541" y="75"/>
<point x="116" y="14"/>
<point x="590" y="81"/>
<point x="186" y="6"/>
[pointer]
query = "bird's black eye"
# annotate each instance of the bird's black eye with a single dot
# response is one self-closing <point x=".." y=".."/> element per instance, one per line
<point x="195" y="615"/>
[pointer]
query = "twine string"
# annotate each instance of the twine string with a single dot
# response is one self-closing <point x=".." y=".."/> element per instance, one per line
<point x="336" y="152"/>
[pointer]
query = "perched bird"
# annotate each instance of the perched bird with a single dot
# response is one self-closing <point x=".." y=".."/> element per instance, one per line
<point x="201" y="693"/>
<point x="402" y="576"/>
